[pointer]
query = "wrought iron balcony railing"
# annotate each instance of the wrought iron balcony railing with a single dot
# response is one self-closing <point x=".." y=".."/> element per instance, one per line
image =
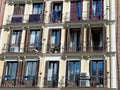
<point x="20" y="48"/>
<point x="25" y="81"/>
<point x="56" y="17"/>
<point x="86" y="16"/>
<point x="51" y="81"/>
<point x="25" y="18"/>
<point x="53" y="48"/>
<point x="84" y="47"/>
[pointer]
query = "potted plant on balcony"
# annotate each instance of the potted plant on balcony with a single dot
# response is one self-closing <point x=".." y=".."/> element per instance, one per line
<point x="56" y="49"/>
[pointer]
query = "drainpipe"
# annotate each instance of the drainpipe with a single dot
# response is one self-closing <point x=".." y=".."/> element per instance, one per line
<point x="112" y="45"/>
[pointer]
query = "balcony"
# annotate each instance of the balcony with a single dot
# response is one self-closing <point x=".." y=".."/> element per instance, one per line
<point x="50" y="82"/>
<point x="56" y="17"/>
<point x="85" y="47"/>
<point x="94" y="82"/>
<point x="53" y="48"/>
<point x="32" y="18"/>
<point x="27" y="48"/>
<point x="85" y="16"/>
<point x="25" y="81"/>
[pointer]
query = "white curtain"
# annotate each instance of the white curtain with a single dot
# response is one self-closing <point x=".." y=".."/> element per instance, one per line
<point x="50" y="70"/>
<point x="94" y="7"/>
<point x="32" y="37"/>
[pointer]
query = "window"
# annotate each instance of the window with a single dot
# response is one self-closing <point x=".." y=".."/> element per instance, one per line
<point x="54" y="41"/>
<point x="74" y="38"/>
<point x="57" y="12"/>
<point x="37" y="15"/>
<point x="37" y="8"/>
<point x="76" y="10"/>
<point x="96" y="9"/>
<point x="31" y="68"/>
<point x="16" y="37"/>
<point x="35" y="38"/>
<point x="19" y="9"/>
<point x="55" y="38"/>
<point x="96" y="39"/>
<point x="18" y="13"/>
<point x="97" y="72"/>
<point x="11" y="70"/>
<point x="52" y="72"/>
<point x="73" y="72"/>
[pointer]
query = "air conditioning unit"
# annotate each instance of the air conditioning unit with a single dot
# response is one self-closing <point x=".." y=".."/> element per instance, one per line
<point x="14" y="49"/>
<point x="84" y="79"/>
<point x="84" y="75"/>
<point x="84" y="83"/>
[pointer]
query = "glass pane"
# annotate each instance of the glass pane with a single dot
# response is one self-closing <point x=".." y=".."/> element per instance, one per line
<point x="94" y="7"/>
<point x="32" y="37"/>
<point x="53" y="37"/>
<point x="29" y="69"/>
<point x="99" y="8"/>
<point x="50" y="71"/>
<point x="8" y="69"/>
<point x="94" y="68"/>
<point x="40" y="8"/>
<point x="34" y="68"/>
<point x="77" y="67"/>
<point x="55" y="71"/>
<point x="35" y="9"/>
<point x="100" y="68"/>
<point x="14" y="70"/>
<point x="37" y="39"/>
<point x="13" y="38"/>
<point x="79" y="9"/>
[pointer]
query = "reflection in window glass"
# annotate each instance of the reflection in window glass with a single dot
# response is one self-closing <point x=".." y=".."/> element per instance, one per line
<point x="11" y="70"/>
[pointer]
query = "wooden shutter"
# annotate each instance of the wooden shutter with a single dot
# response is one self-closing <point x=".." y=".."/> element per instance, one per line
<point x="105" y="73"/>
<point x="102" y="9"/>
<point x="4" y="69"/>
<point x="66" y="77"/>
<point x="90" y="67"/>
<point x="24" y="68"/>
<point x="41" y="36"/>
<point x="104" y="38"/>
<point x="37" y="69"/>
<point x="10" y="37"/>
<point x="16" y="9"/>
<point x="73" y="11"/>
<point x="91" y="9"/>
<point x="46" y="72"/>
<point x="19" y="70"/>
<point x="19" y="39"/>
<point x="89" y="39"/>
<point x="27" y="39"/>
<point x="58" y="68"/>
<point x="21" y="11"/>
<point x="68" y="39"/>
<point x="51" y="11"/>
<point x="81" y="38"/>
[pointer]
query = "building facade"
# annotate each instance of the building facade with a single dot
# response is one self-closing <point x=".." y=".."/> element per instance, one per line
<point x="63" y="44"/>
<point x="2" y="7"/>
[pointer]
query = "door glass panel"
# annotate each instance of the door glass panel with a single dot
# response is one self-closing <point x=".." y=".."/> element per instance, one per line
<point x="100" y="68"/>
<point x="94" y="68"/>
